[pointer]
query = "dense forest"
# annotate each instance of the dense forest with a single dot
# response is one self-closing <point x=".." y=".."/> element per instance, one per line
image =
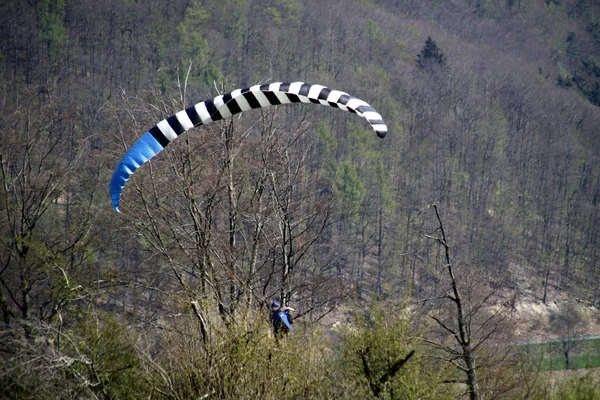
<point x="406" y="258"/>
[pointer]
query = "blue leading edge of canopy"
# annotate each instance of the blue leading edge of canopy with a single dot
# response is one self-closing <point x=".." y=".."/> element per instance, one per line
<point x="143" y="150"/>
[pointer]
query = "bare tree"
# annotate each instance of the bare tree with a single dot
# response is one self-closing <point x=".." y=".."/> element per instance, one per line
<point x="569" y="322"/>
<point x="476" y="320"/>
<point x="46" y="216"/>
<point x="229" y="215"/>
<point x="461" y="332"/>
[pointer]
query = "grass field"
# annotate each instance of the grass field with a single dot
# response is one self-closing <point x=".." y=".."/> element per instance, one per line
<point x="584" y="353"/>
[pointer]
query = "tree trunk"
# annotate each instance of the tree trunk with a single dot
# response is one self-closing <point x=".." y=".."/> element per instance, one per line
<point x="463" y="336"/>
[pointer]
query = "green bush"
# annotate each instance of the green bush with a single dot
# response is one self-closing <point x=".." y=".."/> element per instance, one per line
<point x="380" y="356"/>
<point x="241" y="360"/>
<point x="578" y="388"/>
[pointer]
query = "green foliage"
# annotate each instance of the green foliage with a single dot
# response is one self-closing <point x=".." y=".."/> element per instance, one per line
<point x="44" y="229"/>
<point x="553" y="3"/>
<point x="581" y="9"/>
<point x="275" y="15"/>
<point x="430" y="55"/>
<point x="488" y="8"/>
<point x="375" y="33"/>
<point x="578" y="388"/>
<point x="387" y="188"/>
<point x="195" y="48"/>
<point x="376" y="80"/>
<point x="228" y="21"/>
<point x="241" y="361"/>
<point x="51" y="15"/>
<point x="95" y="359"/>
<point x="350" y="186"/>
<point x="367" y="3"/>
<point x="327" y="140"/>
<point x="285" y="12"/>
<point x="575" y="362"/>
<point x="584" y="353"/>
<point x="30" y="367"/>
<point x="587" y="79"/>
<point x="112" y="364"/>
<point x="328" y="147"/>
<point x="412" y="30"/>
<point x="564" y="80"/>
<point x="380" y="356"/>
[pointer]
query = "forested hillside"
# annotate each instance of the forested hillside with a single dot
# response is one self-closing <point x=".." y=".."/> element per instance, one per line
<point x="406" y="257"/>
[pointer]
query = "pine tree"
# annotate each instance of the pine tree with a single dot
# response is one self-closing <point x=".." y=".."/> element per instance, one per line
<point x="430" y="54"/>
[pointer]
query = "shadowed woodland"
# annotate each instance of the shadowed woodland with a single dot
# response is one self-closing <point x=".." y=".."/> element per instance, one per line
<point x="407" y="258"/>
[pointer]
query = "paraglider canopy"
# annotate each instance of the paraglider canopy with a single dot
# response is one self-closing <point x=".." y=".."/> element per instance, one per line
<point x="167" y="130"/>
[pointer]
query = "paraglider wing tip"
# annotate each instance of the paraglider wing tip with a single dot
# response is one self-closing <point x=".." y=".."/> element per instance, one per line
<point x="143" y="150"/>
<point x="115" y="203"/>
<point x="115" y="191"/>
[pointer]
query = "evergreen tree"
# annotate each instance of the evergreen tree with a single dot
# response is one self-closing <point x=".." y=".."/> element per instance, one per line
<point x="430" y="54"/>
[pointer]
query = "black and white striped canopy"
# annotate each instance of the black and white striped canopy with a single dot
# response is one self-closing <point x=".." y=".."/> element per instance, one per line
<point x="167" y="130"/>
